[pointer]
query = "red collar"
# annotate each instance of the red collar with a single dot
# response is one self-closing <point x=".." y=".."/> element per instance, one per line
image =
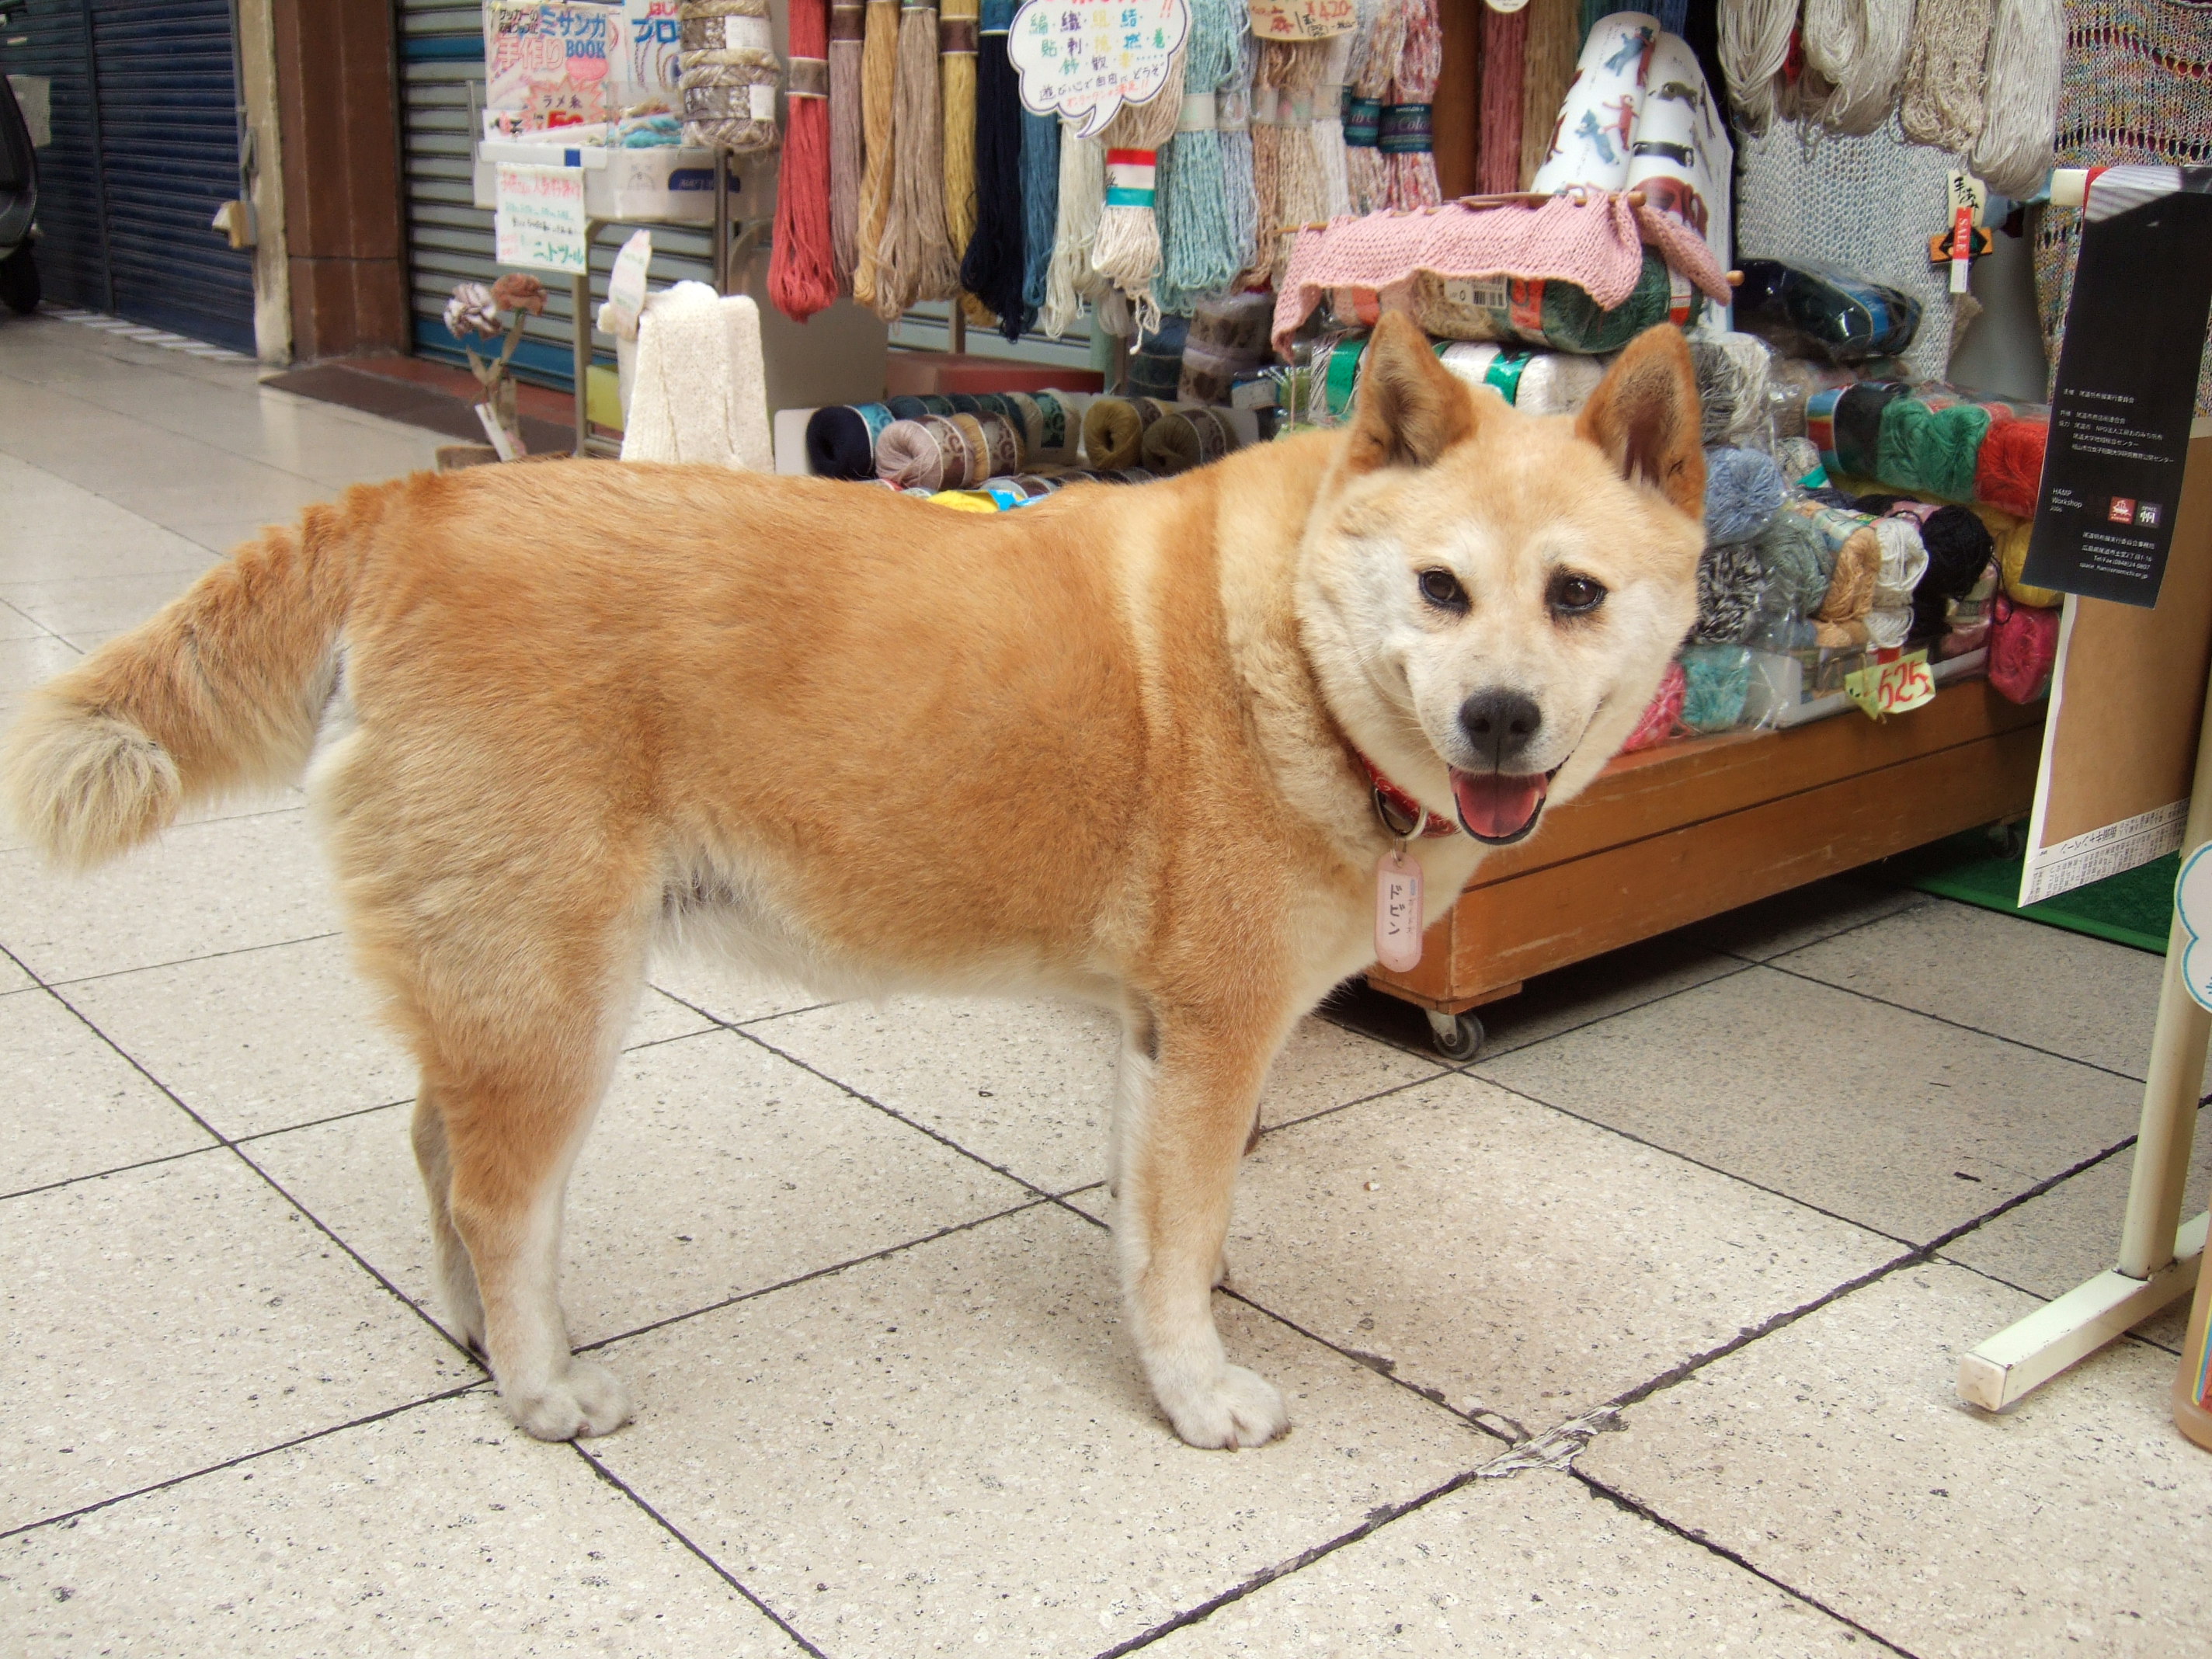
<point x="1394" y="807"/>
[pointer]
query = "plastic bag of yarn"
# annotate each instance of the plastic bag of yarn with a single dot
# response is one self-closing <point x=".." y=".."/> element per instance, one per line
<point x="728" y="75"/>
<point x="1548" y="312"/>
<point x="1156" y="365"/>
<point x="2023" y="649"/>
<point x="1844" y="424"/>
<point x="1744" y="488"/>
<point x="1662" y="715"/>
<point x="1960" y="551"/>
<point x="2011" y="536"/>
<point x="1716" y="679"/>
<point x="1812" y="311"/>
<point x="2009" y="468"/>
<point x="1227" y="337"/>
<point x="1930" y="441"/>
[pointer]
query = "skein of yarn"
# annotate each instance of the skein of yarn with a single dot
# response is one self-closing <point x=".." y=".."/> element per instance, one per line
<point x="1858" y="47"/>
<point x="1733" y="386"/>
<point x="846" y="25"/>
<point x="1934" y="449"/>
<point x="1502" y="35"/>
<point x="802" y="270"/>
<point x="1126" y="249"/>
<point x="1295" y="67"/>
<point x="928" y="453"/>
<point x="879" y="79"/>
<point x="1717" y="678"/>
<point x="1374" y="56"/>
<point x="1958" y="549"/>
<point x="1556" y="383"/>
<point x="1232" y="119"/>
<point x="1755" y="37"/>
<point x="840" y="440"/>
<point x="1082" y="201"/>
<point x="1039" y="205"/>
<point x="1113" y="431"/>
<point x="1328" y="147"/>
<point x="2019" y="107"/>
<point x="993" y="266"/>
<point x="728" y="75"/>
<point x="959" y="23"/>
<point x="1199" y="253"/>
<point x="1744" y="488"/>
<point x="1547" y="68"/>
<point x="1661" y="715"/>
<point x="1184" y="438"/>
<point x="1943" y="77"/>
<point x="1731" y="577"/>
<point x="1405" y="121"/>
<point x="915" y="261"/>
<point x="2008" y="469"/>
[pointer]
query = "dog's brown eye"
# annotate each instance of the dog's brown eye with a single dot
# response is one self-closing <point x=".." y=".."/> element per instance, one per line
<point x="1575" y="596"/>
<point x="1442" y="589"/>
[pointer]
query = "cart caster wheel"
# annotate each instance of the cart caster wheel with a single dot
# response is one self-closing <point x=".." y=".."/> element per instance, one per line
<point x="1458" y="1037"/>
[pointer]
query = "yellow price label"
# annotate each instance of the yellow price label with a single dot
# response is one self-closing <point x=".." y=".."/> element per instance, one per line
<point x="1892" y="688"/>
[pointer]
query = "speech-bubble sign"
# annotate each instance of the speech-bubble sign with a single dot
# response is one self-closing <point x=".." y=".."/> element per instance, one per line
<point x="1083" y="59"/>
<point x="2192" y="901"/>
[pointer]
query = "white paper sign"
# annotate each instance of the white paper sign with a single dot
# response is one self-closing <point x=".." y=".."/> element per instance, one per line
<point x="1083" y="59"/>
<point x="2192" y="901"/>
<point x="540" y="225"/>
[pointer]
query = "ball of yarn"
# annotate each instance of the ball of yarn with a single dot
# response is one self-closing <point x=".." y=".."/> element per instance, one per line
<point x="1904" y="562"/>
<point x="1734" y="371"/>
<point x="1958" y="549"/>
<point x="921" y="454"/>
<point x="1557" y="383"/>
<point x="1743" y="490"/>
<point x="1799" y="461"/>
<point x="1716" y="679"/>
<point x="1921" y="447"/>
<point x="1184" y="438"/>
<point x="2023" y="647"/>
<point x="2012" y="560"/>
<point x="1114" y="432"/>
<point x="2008" y="469"/>
<point x="1731" y="577"/>
<point x="840" y="440"/>
<point x="1661" y="714"/>
<point x="1798" y="565"/>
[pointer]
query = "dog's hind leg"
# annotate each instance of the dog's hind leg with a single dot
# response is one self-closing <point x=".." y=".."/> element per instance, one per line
<point x="1182" y="1127"/>
<point x="457" y="1275"/>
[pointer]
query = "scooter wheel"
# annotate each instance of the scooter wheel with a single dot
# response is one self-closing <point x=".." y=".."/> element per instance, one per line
<point x="19" y="282"/>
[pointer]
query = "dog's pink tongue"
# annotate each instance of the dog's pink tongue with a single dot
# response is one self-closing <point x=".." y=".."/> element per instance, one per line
<point x="1497" y="805"/>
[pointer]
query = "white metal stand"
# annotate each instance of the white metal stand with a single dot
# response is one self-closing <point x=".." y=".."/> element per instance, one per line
<point x="2159" y="1257"/>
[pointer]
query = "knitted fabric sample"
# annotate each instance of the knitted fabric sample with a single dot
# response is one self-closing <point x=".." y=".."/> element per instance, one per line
<point x="1862" y="205"/>
<point x="2137" y="87"/>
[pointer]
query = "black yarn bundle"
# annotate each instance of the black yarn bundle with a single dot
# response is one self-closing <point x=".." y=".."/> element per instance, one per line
<point x="1959" y="548"/>
<point x="997" y="254"/>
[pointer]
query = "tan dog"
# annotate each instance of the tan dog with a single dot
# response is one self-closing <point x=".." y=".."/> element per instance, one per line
<point x="1109" y="744"/>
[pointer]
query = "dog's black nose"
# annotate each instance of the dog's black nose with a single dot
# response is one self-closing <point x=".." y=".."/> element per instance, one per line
<point x="1500" y="725"/>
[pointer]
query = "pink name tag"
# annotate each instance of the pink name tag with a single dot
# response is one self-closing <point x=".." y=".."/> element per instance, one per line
<point x="1398" y="912"/>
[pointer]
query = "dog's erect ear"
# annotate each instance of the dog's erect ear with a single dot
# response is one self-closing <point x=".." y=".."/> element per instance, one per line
<point x="1645" y="417"/>
<point x="1412" y="407"/>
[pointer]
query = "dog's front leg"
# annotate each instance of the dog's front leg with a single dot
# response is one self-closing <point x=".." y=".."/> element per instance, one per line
<point x="1184" y="1116"/>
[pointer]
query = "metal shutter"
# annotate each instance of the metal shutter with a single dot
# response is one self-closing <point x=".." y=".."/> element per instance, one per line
<point x="145" y="150"/>
<point x="449" y="239"/>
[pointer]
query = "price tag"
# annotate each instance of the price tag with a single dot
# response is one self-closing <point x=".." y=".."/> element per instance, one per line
<point x="1302" y="20"/>
<point x="1083" y="59"/>
<point x="1884" y="689"/>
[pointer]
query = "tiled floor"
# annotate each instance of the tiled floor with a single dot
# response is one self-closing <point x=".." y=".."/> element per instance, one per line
<point x="1709" y="1224"/>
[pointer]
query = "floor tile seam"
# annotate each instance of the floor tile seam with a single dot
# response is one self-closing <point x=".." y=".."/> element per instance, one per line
<point x="1999" y="1278"/>
<point x="212" y="956"/>
<point x="296" y="1441"/>
<point x="1919" y="902"/>
<point x="1378" y="1518"/>
<point x="1634" y="1138"/>
<point x="1469" y="1066"/>
<point x="599" y="1468"/>
<point x="119" y="1169"/>
<point x="1438" y="1076"/>
<point x="1368" y="1362"/>
<point x="33" y="620"/>
<point x="1955" y="1024"/>
<point x="896" y="1117"/>
<point x="1915" y="1255"/>
<point x="1691" y="1535"/>
<point x="274" y="1185"/>
<point x="813" y="1274"/>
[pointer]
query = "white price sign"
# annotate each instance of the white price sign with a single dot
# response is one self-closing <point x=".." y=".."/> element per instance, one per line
<point x="1083" y="59"/>
<point x="540" y="224"/>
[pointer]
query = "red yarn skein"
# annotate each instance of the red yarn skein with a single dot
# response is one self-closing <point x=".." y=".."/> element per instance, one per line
<point x="1497" y="143"/>
<point x="802" y="268"/>
<point x="2008" y="471"/>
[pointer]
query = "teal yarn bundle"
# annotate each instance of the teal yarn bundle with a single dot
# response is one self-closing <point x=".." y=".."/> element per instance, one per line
<point x="1715" y="680"/>
<point x="1921" y="447"/>
<point x="1743" y="490"/>
<point x="1040" y="205"/>
<point x="1798" y="564"/>
<point x="1200" y="252"/>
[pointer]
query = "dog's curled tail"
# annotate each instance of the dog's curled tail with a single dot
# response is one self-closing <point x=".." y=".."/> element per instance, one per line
<point x="220" y="690"/>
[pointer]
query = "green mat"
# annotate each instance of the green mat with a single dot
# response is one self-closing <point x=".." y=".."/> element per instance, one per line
<point x="2133" y="907"/>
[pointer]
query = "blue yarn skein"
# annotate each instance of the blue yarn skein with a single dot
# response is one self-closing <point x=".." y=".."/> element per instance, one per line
<point x="1200" y="256"/>
<point x="1743" y="490"/>
<point x="1039" y="202"/>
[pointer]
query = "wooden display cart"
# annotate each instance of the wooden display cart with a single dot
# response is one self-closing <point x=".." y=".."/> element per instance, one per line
<point x="1672" y="835"/>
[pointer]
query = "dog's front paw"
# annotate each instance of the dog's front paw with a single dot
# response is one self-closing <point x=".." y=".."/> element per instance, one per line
<point x="585" y="1400"/>
<point x="1234" y="1408"/>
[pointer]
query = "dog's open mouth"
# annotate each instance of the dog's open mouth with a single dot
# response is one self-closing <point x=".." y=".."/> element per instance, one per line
<point x="1500" y="807"/>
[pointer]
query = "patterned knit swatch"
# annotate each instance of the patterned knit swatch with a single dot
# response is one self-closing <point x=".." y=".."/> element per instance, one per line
<point x="2137" y="89"/>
